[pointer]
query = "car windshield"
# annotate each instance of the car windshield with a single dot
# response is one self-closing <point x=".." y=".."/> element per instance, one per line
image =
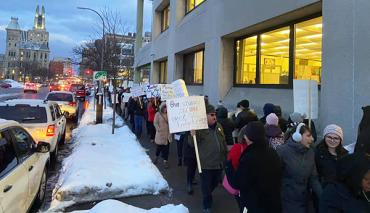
<point x="60" y="97"/>
<point x="24" y="113"/>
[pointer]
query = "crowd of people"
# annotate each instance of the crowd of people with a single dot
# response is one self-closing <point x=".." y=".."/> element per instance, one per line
<point x="269" y="164"/>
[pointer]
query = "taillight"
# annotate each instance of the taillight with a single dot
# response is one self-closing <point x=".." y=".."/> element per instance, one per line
<point x="72" y="104"/>
<point x="50" y="130"/>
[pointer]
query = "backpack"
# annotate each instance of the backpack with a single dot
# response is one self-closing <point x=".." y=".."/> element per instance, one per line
<point x="274" y="142"/>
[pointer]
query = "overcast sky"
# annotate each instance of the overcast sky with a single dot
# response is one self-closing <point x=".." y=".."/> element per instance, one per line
<point x="68" y="26"/>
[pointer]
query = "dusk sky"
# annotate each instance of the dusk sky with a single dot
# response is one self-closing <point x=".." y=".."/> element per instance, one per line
<point x="67" y="25"/>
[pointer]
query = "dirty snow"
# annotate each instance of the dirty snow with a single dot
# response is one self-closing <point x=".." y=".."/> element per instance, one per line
<point x="104" y="166"/>
<point x="114" y="206"/>
<point x="14" y="84"/>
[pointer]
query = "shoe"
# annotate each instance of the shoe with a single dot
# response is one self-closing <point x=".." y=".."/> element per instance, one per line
<point x="179" y="162"/>
<point x="206" y="210"/>
<point x="189" y="189"/>
<point x="155" y="160"/>
<point x="165" y="163"/>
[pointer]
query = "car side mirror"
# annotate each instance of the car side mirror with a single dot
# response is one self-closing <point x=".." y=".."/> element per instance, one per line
<point x="42" y="147"/>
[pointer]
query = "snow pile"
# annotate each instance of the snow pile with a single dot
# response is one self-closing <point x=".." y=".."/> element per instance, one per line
<point x="350" y="148"/>
<point x="114" y="206"/>
<point x="14" y="84"/>
<point x="104" y="166"/>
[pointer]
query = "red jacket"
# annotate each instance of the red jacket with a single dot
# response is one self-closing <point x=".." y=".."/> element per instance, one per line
<point x="235" y="153"/>
<point x="151" y="113"/>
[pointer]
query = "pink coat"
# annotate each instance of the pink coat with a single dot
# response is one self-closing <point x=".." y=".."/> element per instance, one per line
<point x="162" y="135"/>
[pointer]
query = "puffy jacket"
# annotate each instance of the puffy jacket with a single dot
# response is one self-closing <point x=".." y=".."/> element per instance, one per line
<point x="226" y="123"/>
<point x="299" y="175"/>
<point x="211" y="146"/>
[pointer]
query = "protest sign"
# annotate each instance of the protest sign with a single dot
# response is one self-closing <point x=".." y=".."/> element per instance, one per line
<point x="153" y="91"/>
<point x="126" y="97"/>
<point x="186" y="113"/>
<point x="179" y="88"/>
<point x="167" y="92"/>
<point x="306" y="98"/>
<point x="137" y="91"/>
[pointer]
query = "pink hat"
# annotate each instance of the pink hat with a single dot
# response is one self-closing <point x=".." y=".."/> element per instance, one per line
<point x="272" y="119"/>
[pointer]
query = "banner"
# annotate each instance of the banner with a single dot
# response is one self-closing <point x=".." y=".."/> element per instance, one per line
<point x="306" y="98"/>
<point x="137" y="91"/>
<point x="167" y="92"/>
<point x="186" y="113"/>
<point x="153" y="91"/>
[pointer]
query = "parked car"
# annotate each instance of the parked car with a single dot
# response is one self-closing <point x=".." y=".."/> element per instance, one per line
<point x="43" y="119"/>
<point x="23" y="168"/>
<point x="54" y="87"/>
<point x="30" y="87"/>
<point x="5" y="85"/>
<point x="66" y="102"/>
<point x="79" y="90"/>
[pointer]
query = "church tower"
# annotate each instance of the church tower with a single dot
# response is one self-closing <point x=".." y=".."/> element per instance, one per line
<point x="39" y="23"/>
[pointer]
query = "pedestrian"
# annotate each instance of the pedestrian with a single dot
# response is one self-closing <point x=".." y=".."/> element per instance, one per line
<point x="283" y="123"/>
<point x="274" y="135"/>
<point x="245" y="116"/>
<point x="190" y="162"/>
<point x="267" y="109"/>
<point x="226" y="123"/>
<point x="299" y="171"/>
<point x="151" y="110"/>
<point x="328" y="152"/>
<point x="138" y="116"/>
<point x="363" y="138"/>
<point x="162" y="136"/>
<point x="259" y="173"/>
<point x="179" y="138"/>
<point x="131" y="111"/>
<point x="212" y="152"/>
<point x="351" y="193"/>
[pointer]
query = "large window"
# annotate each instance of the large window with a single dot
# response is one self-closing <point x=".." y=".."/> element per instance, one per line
<point x="163" y="72"/>
<point x="165" y="18"/>
<point x="191" y="4"/>
<point x="283" y="54"/>
<point x="193" y="67"/>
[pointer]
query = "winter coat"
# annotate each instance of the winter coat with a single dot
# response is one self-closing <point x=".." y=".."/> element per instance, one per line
<point x="226" y="123"/>
<point x="326" y="163"/>
<point x="363" y="138"/>
<point x="274" y="135"/>
<point x="267" y="109"/>
<point x="138" y="108"/>
<point x="259" y="179"/>
<point x="299" y="175"/>
<point x="211" y="146"/>
<point x="244" y="117"/>
<point x="151" y="112"/>
<point x="188" y="150"/>
<point x="162" y="134"/>
<point x="235" y="152"/>
<point x="346" y="195"/>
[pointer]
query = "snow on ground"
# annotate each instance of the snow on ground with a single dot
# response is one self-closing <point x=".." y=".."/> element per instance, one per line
<point x="114" y="206"/>
<point x="10" y="95"/>
<point x="14" y="84"/>
<point x="104" y="166"/>
<point x="350" y="147"/>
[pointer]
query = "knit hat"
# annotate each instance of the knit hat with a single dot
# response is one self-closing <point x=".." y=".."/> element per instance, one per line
<point x="210" y="109"/>
<point x="255" y="131"/>
<point x="296" y="117"/>
<point x="244" y="103"/>
<point x="334" y="129"/>
<point x="272" y="119"/>
<point x="268" y="108"/>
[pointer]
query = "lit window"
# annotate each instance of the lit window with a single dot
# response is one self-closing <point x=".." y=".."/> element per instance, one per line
<point x="165" y="18"/>
<point x="191" y="4"/>
<point x="163" y="72"/>
<point x="246" y="51"/>
<point x="193" y="67"/>
<point x="308" y="50"/>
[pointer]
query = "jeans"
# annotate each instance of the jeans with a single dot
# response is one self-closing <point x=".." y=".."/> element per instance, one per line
<point x="180" y="145"/>
<point x="138" y="125"/>
<point x="191" y="168"/>
<point x="163" y="150"/>
<point x="209" y="179"/>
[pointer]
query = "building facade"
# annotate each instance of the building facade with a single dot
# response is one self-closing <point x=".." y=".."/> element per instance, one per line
<point x="26" y="49"/>
<point x="60" y="67"/>
<point x="233" y="50"/>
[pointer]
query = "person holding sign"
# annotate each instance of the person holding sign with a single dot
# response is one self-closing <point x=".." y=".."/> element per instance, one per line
<point x="162" y="136"/>
<point x="212" y="152"/>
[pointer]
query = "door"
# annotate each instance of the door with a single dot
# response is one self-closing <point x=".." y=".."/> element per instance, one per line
<point x="61" y="120"/>
<point x="13" y="177"/>
<point x="24" y="146"/>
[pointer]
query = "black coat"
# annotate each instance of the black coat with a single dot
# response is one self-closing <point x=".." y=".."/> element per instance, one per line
<point x="226" y="123"/>
<point x="259" y="179"/>
<point x="244" y="117"/>
<point x="327" y="163"/>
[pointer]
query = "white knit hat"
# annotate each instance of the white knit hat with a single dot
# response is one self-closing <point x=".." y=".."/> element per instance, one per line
<point x="334" y="129"/>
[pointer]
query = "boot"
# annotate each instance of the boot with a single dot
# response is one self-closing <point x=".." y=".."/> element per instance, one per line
<point x="189" y="189"/>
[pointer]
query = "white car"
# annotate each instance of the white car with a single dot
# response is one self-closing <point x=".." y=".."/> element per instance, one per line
<point x="23" y="168"/>
<point x="66" y="101"/>
<point x="43" y="119"/>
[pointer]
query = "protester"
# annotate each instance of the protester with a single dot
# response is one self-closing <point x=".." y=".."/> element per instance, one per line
<point x="351" y="193"/>
<point x="151" y="109"/>
<point x="328" y="152"/>
<point x="226" y="123"/>
<point x="299" y="171"/>
<point x="212" y="152"/>
<point x="363" y="138"/>
<point x="138" y="116"/>
<point x="235" y="133"/>
<point x="274" y="135"/>
<point x="190" y="162"/>
<point x="283" y="123"/>
<point x="245" y="116"/>
<point x="268" y="108"/>
<point x="259" y="173"/>
<point x="131" y="111"/>
<point x="162" y="135"/>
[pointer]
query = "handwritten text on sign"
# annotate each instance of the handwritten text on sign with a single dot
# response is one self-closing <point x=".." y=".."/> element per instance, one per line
<point x="186" y="113"/>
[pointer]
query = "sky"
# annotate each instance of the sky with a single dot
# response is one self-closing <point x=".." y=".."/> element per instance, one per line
<point x="68" y="26"/>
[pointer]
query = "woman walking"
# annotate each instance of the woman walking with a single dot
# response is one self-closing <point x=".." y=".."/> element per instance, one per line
<point x="162" y="136"/>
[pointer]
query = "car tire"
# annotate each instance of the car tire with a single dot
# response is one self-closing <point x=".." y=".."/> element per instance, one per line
<point x="40" y="196"/>
<point x="54" y="156"/>
<point x="63" y="139"/>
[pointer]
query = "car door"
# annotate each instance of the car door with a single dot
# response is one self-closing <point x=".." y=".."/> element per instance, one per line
<point x="13" y="177"/>
<point x="61" y="120"/>
<point x="24" y="146"/>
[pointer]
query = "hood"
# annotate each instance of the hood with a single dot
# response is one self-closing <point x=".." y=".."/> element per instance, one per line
<point x="267" y="109"/>
<point x="272" y="131"/>
<point x="221" y="112"/>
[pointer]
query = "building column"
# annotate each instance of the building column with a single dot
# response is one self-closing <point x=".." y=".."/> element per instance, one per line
<point x="139" y="35"/>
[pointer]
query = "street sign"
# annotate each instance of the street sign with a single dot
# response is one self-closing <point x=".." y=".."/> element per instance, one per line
<point x="100" y="75"/>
